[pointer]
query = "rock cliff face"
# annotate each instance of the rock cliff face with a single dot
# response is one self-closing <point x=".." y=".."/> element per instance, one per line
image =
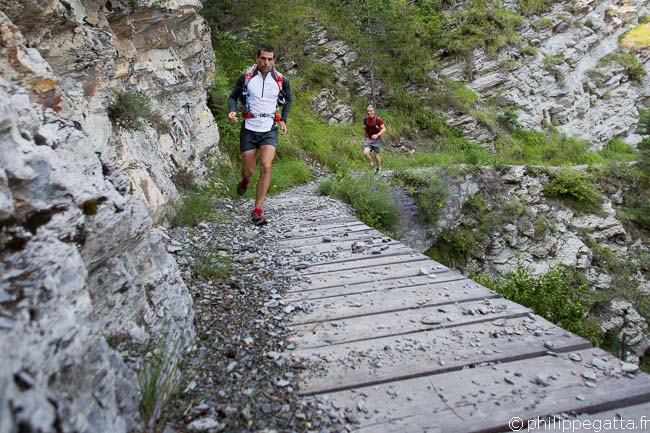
<point x="562" y="81"/>
<point x="558" y="75"/>
<point x="86" y="286"/>
<point x="528" y="228"/>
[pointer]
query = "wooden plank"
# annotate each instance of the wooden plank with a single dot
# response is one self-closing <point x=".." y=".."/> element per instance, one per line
<point x="373" y="273"/>
<point x="289" y="222"/>
<point x="401" y="322"/>
<point x="633" y="419"/>
<point x="358" y="236"/>
<point x="486" y="398"/>
<point x="340" y="248"/>
<point x="393" y="358"/>
<point x="392" y="248"/>
<point x="296" y="294"/>
<point x="329" y="253"/>
<point x="364" y="262"/>
<point x="390" y="300"/>
<point x="325" y="230"/>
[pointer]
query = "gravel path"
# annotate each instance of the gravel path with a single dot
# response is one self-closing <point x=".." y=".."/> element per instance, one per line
<point x="235" y="378"/>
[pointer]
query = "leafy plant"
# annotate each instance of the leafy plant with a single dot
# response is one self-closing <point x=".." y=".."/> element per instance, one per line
<point x="550" y="64"/>
<point x="429" y="192"/>
<point x="369" y="196"/>
<point x="534" y="7"/>
<point x="130" y="110"/>
<point x="639" y="37"/>
<point x="211" y="263"/>
<point x="559" y="295"/>
<point x="159" y="380"/>
<point x="542" y="22"/>
<point x="575" y="189"/>
<point x="192" y="208"/>
<point x="629" y="61"/>
<point x="455" y="246"/>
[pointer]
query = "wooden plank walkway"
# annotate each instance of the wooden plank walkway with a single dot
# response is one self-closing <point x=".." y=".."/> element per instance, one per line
<point x="396" y="342"/>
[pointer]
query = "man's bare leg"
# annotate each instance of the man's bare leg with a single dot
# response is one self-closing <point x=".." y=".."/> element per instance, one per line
<point x="267" y="153"/>
<point x="248" y="161"/>
<point x="366" y="154"/>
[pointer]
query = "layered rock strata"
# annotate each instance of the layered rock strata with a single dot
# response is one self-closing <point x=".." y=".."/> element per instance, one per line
<point x="560" y="76"/>
<point x="524" y="227"/>
<point x="86" y="286"/>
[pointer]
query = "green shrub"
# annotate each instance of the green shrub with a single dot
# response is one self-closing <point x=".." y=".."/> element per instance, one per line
<point x="559" y="295"/>
<point x="575" y="189"/>
<point x="542" y="22"/>
<point x="455" y="246"/>
<point x="456" y="95"/>
<point x="534" y="7"/>
<point x="369" y="196"/>
<point x="192" y="208"/>
<point x="508" y="119"/>
<point x="480" y="23"/>
<point x="287" y="173"/>
<point x="159" y="379"/>
<point x="644" y="19"/>
<point x="487" y="118"/>
<point x="629" y="61"/>
<point x="528" y="50"/>
<point x="618" y="150"/>
<point x="130" y="110"/>
<point x="428" y="191"/>
<point x="550" y="64"/>
<point x="210" y="262"/>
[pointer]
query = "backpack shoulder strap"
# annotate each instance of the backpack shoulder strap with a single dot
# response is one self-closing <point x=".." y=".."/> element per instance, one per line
<point x="250" y="73"/>
<point x="278" y="78"/>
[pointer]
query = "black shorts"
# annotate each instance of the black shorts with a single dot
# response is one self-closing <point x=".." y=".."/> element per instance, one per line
<point x="250" y="140"/>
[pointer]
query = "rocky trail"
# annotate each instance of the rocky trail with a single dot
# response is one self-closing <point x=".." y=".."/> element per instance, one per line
<point x="326" y="325"/>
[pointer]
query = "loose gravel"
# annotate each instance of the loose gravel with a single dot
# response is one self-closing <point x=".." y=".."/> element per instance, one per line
<point x="236" y="379"/>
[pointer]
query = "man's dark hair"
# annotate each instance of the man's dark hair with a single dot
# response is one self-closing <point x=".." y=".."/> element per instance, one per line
<point x="267" y="48"/>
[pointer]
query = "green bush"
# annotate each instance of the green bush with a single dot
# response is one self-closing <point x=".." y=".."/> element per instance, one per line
<point x="550" y="64"/>
<point x="159" y="378"/>
<point x="369" y="196"/>
<point x="618" y="150"/>
<point x="428" y="191"/>
<point x="542" y="22"/>
<point x="130" y="110"/>
<point x="534" y="7"/>
<point x="192" y="208"/>
<point x="559" y="295"/>
<point x="629" y="61"/>
<point x="210" y="262"/>
<point x="455" y="246"/>
<point x="287" y="173"/>
<point x="528" y="50"/>
<point x="575" y="189"/>
<point x="508" y="119"/>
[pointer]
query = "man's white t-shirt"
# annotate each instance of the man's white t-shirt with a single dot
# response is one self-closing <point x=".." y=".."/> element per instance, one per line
<point x="262" y="98"/>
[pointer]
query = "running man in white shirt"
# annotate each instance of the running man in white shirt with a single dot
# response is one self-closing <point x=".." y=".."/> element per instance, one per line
<point x="258" y="92"/>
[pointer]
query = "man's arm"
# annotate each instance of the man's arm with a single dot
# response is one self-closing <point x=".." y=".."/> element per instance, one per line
<point x="233" y="98"/>
<point x="288" y="99"/>
<point x="382" y="129"/>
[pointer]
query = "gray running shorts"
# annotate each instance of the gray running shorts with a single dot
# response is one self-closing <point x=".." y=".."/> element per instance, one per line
<point x="249" y="140"/>
<point x="373" y="144"/>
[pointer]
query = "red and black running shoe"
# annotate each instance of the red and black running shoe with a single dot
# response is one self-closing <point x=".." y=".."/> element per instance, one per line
<point x="257" y="217"/>
<point x="242" y="186"/>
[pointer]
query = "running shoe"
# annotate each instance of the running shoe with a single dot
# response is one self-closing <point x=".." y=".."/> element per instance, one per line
<point x="242" y="186"/>
<point x="257" y="217"/>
